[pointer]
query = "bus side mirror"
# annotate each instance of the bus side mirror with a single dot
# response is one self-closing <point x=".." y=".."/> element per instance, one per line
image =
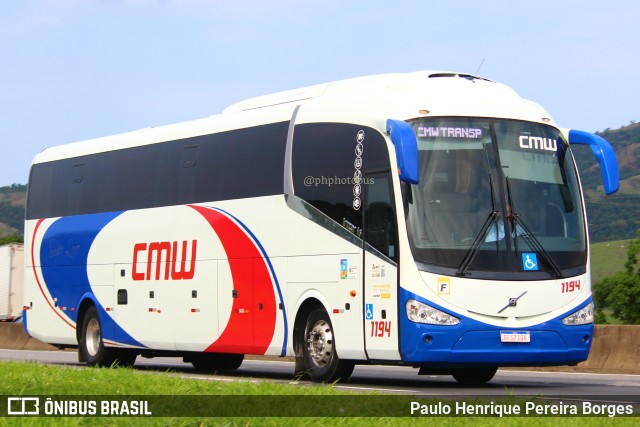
<point x="604" y="154"/>
<point x="406" y="145"/>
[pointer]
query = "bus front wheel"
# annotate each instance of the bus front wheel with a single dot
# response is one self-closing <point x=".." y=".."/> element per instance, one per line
<point x="474" y="376"/>
<point x="320" y="359"/>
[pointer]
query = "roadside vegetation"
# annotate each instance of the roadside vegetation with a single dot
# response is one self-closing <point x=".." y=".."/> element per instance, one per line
<point x="10" y="239"/>
<point x="617" y="297"/>
<point x="31" y="379"/>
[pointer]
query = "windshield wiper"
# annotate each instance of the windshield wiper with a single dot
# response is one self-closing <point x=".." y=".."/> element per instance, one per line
<point x="475" y="247"/>
<point x="515" y="220"/>
<point x="480" y="237"/>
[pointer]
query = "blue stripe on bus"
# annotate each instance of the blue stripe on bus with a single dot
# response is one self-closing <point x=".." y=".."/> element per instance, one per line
<point x="64" y="253"/>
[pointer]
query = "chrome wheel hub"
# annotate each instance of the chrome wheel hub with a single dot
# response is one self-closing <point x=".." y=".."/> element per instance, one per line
<point x="320" y="343"/>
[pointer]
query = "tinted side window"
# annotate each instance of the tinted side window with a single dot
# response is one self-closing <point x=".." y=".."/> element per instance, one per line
<point x="252" y="161"/>
<point x="125" y="179"/>
<point x="201" y="172"/>
<point x="329" y="165"/>
<point x="380" y="215"/>
<point x="229" y="165"/>
<point x="40" y="192"/>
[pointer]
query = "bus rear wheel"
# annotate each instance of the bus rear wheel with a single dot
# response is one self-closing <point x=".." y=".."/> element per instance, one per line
<point x="474" y="376"/>
<point x="91" y="346"/>
<point x="321" y="362"/>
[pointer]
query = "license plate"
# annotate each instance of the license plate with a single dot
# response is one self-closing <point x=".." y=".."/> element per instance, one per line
<point x="515" y="336"/>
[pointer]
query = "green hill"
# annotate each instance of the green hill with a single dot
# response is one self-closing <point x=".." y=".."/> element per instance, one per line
<point x="614" y="217"/>
<point x="12" y="202"/>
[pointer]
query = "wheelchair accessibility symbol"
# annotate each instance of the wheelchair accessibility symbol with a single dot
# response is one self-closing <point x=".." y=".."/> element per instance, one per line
<point x="368" y="311"/>
<point x="529" y="261"/>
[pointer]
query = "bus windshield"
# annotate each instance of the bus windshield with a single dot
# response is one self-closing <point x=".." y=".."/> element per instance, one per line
<point x="495" y="196"/>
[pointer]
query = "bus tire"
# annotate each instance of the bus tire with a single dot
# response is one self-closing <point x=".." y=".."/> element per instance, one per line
<point x="92" y="348"/>
<point x="211" y="362"/>
<point x="474" y="376"/>
<point x="320" y="359"/>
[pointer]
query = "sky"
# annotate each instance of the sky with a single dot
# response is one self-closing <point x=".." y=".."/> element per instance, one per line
<point x="78" y="69"/>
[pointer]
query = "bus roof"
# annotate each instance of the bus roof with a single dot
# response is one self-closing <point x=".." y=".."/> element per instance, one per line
<point x="400" y="96"/>
<point x="407" y="95"/>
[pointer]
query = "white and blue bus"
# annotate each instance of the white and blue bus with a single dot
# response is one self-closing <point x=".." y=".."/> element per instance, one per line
<point x="428" y="219"/>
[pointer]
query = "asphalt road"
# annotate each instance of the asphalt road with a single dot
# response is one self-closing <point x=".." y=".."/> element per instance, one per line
<point x="392" y="379"/>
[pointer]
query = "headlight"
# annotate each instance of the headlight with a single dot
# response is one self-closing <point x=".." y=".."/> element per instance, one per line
<point x="422" y="313"/>
<point x="580" y="317"/>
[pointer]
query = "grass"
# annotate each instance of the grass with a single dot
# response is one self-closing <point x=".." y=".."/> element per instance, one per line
<point x="29" y="379"/>
<point x="607" y="258"/>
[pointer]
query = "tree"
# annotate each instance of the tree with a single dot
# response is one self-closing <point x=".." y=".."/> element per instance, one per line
<point x="10" y="239"/>
<point x="633" y="265"/>
<point x="620" y="293"/>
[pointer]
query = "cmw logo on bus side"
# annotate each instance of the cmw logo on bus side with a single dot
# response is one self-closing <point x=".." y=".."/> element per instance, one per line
<point x="529" y="261"/>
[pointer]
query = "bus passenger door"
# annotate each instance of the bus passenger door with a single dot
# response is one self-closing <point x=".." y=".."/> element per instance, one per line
<point x="380" y="272"/>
